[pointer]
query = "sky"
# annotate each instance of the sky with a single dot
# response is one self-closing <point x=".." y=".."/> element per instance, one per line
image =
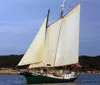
<point x="20" y="21"/>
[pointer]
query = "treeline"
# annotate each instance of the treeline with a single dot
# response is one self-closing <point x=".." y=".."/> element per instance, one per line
<point x="9" y="61"/>
<point x="89" y="62"/>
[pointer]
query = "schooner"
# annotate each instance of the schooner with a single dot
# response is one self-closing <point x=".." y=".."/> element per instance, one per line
<point x="55" y="45"/>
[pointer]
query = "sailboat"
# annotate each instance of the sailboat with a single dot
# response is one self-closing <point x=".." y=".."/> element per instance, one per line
<point x="55" y="46"/>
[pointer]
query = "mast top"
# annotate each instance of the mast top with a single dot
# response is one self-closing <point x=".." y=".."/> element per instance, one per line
<point x="62" y="8"/>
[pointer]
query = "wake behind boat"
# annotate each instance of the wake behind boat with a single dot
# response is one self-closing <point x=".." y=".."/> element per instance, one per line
<point x="55" y="46"/>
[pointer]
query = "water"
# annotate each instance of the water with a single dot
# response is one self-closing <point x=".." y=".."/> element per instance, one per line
<point x="83" y="79"/>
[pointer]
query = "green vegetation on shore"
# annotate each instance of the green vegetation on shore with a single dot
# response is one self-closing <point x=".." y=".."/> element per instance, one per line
<point x="9" y="61"/>
<point x="92" y="62"/>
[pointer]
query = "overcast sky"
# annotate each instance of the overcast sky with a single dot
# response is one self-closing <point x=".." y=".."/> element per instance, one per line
<point x="21" y="19"/>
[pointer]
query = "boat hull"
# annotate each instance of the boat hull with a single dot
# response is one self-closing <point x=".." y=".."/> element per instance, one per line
<point x="36" y="79"/>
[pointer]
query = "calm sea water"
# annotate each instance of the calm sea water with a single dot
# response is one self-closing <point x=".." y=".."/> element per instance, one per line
<point x="83" y="79"/>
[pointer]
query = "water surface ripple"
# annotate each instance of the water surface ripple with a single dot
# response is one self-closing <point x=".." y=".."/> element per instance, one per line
<point x="83" y="79"/>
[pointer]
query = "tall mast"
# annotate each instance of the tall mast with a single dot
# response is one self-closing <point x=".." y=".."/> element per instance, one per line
<point x="62" y="8"/>
<point x="47" y="18"/>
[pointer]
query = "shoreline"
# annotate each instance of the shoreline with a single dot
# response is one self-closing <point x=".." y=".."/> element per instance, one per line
<point x="8" y="71"/>
<point x="14" y="71"/>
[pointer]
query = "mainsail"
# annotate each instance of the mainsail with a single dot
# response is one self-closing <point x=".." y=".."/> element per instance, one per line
<point x="68" y="44"/>
<point x="61" y="45"/>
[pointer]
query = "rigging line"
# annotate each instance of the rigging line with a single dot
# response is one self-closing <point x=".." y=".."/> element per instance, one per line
<point x="58" y="41"/>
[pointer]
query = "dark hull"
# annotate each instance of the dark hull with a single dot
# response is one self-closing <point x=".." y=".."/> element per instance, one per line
<point x="36" y="79"/>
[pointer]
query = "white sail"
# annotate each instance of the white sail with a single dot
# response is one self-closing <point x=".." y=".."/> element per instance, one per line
<point x="33" y="54"/>
<point x="59" y="47"/>
<point x="35" y="65"/>
<point x="51" y="43"/>
<point x="62" y="41"/>
<point x="68" y="46"/>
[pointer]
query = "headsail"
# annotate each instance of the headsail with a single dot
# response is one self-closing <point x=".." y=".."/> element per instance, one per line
<point x="33" y="54"/>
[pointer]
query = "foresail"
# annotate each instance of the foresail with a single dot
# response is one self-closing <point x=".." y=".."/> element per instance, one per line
<point x="68" y="45"/>
<point x="51" y="43"/>
<point x="33" y="54"/>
